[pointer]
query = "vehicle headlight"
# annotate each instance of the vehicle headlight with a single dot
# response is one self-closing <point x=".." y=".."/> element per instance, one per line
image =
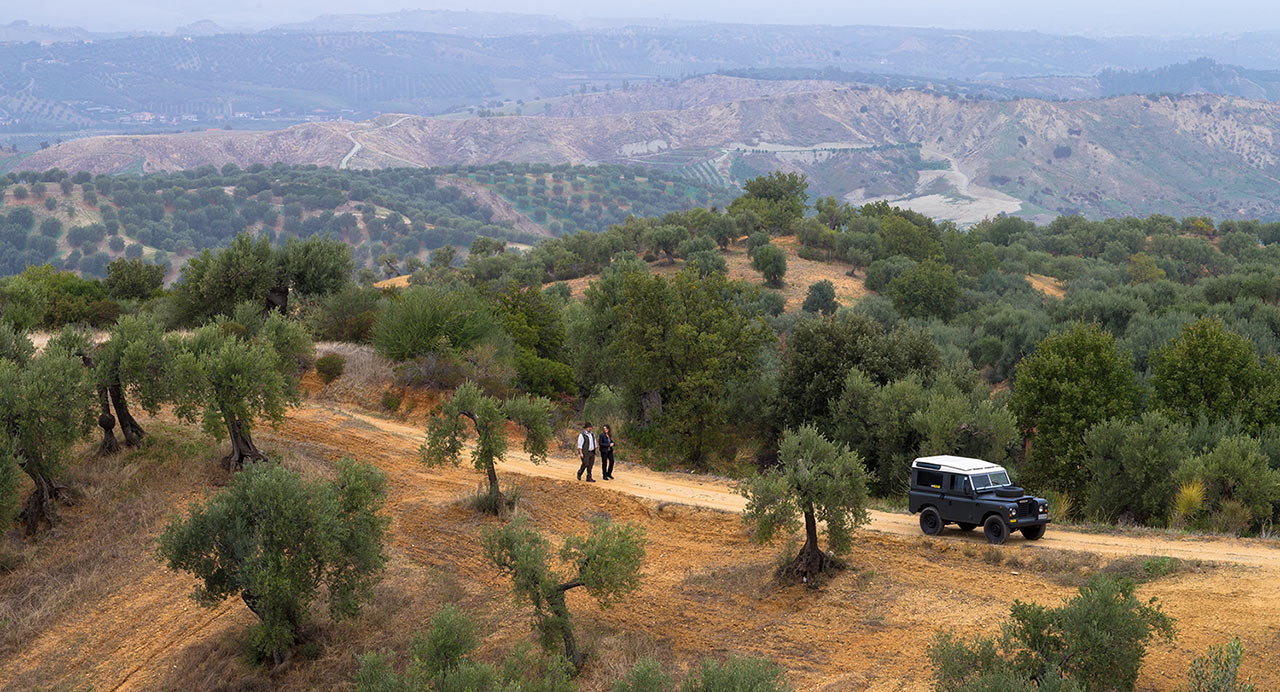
<point x="1044" y="508"/>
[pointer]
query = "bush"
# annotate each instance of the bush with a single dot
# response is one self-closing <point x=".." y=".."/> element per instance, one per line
<point x="433" y="319"/>
<point x="1132" y="467"/>
<point x="1218" y="671"/>
<point x="347" y="315"/>
<point x="1095" y="642"/>
<point x="737" y="675"/>
<point x="771" y="262"/>
<point x="330" y="367"/>
<point x="1241" y="489"/>
<point x="821" y="298"/>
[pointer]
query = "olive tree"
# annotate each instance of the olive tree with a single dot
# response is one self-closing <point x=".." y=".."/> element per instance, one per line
<point x="275" y="539"/>
<point x="230" y="378"/>
<point x="605" y="563"/>
<point x="136" y="361"/>
<point x="771" y="262"/>
<point x="814" y="479"/>
<point x="46" y="405"/>
<point x="488" y="416"/>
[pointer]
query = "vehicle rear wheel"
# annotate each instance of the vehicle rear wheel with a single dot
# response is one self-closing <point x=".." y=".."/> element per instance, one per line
<point x="930" y="522"/>
<point x="995" y="530"/>
<point x="964" y="526"/>
<point x="1033" y="533"/>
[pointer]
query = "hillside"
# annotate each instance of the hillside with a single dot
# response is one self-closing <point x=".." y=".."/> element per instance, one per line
<point x="958" y="159"/>
<point x="83" y="223"/>
<point x="144" y="632"/>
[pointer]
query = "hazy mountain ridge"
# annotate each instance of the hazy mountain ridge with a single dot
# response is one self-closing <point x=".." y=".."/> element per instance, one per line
<point x="958" y="158"/>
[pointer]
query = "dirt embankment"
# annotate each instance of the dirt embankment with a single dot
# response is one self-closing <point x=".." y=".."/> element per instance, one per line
<point x="707" y="588"/>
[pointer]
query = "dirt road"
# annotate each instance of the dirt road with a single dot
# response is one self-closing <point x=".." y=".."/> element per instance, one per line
<point x="711" y="493"/>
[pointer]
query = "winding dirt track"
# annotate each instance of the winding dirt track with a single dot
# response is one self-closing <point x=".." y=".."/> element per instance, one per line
<point x="718" y="494"/>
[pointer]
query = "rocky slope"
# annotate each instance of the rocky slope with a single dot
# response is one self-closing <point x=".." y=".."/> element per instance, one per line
<point x="957" y="158"/>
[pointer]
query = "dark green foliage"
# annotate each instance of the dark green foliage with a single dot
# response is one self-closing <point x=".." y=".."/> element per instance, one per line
<point x="822" y="351"/>
<point x="276" y="539"/>
<point x="1133" y="467"/>
<point x="1076" y="379"/>
<point x="1213" y="372"/>
<point x="816" y="480"/>
<point x="1093" y="643"/>
<point x="605" y="563"/>
<point x="330" y="366"/>
<point x="929" y="289"/>
<point x="778" y="198"/>
<point x="347" y="315"/>
<point x="771" y="262"/>
<point x="488" y="416"/>
<point x="424" y="320"/>
<point x="133" y="278"/>
<point x="1241" y="489"/>
<point x="677" y="346"/>
<point x="821" y="298"/>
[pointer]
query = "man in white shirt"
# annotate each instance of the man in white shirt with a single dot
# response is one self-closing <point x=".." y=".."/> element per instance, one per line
<point x="586" y="451"/>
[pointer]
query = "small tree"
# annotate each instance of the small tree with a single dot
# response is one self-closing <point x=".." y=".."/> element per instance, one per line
<point x="133" y="278"/>
<point x="230" y="378"/>
<point x="46" y="405"/>
<point x="929" y="289"/>
<point x="815" y="479"/>
<point x="488" y="417"/>
<point x="771" y="262"/>
<point x="135" y="362"/>
<point x="606" y="563"/>
<point x="666" y="240"/>
<point x="821" y="298"/>
<point x="1209" y="370"/>
<point x="275" y="539"/>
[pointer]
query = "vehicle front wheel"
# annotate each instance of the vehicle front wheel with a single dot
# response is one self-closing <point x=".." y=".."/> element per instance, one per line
<point x="1033" y="533"/>
<point x="995" y="530"/>
<point x="930" y="522"/>
<point x="964" y="526"/>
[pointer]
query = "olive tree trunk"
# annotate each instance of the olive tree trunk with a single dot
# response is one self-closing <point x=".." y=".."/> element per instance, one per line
<point x="133" y="433"/>
<point x="560" y="611"/>
<point x="38" y="508"/>
<point x="242" y="447"/>
<point x="812" y="562"/>
<point x="107" y="422"/>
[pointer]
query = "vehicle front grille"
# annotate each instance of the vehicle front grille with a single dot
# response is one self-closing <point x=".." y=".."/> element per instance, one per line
<point x="1026" y="508"/>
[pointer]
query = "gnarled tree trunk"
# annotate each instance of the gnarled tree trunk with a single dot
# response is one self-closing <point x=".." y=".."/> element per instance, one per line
<point x="495" y="493"/>
<point x="561" y="612"/>
<point x="242" y="448"/>
<point x="107" y="422"/>
<point x="133" y="433"/>
<point x="38" y="508"/>
<point x="812" y="562"/>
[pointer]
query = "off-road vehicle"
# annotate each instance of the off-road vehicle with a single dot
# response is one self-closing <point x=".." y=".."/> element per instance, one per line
<point x="971" y="493"/>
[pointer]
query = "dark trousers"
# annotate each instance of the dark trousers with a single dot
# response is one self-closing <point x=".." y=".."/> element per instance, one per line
<point x="588" y="461"/>
<point x="606" y="462"/>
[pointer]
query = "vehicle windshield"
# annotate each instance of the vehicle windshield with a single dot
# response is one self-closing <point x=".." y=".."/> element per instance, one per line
<point x="982" y="481"/>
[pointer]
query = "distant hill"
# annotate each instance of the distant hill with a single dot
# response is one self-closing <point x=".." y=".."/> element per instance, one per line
<point x="433" y="62"/>
<point x="475" y="24"/>
<point x="955" y="158"/>
<point x="82" y="223"/>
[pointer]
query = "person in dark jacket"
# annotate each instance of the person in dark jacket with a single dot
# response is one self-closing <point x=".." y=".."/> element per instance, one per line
<point x="606" y="452"/>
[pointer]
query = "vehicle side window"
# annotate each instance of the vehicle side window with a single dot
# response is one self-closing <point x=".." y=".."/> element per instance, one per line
<point x="931" y="479"/>
<point x="953" y="483"/>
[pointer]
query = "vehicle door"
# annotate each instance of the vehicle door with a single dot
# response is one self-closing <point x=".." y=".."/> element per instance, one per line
<point x="959" y="506"/>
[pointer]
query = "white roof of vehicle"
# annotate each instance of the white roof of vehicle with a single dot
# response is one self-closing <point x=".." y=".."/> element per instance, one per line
<point x="946" y="462"/>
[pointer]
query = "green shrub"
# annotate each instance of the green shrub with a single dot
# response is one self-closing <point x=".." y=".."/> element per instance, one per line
<point x="821" y="298"/>
<point x="737" y="675"/>
<point x="1095" y="641"/>
<point x="391" y="400"/>
<point x="330" y="367"/>
<point x="1218" y="670"/>
<point x="433" y="319"/>
<point x="771" y="262"/>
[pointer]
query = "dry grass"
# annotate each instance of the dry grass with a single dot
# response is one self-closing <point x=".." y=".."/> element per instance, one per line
<point x="365" y="375"/>
<point x="1047" y="285"/>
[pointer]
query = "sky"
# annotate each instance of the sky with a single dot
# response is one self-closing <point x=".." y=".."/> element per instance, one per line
<point x="1090" y="17"/>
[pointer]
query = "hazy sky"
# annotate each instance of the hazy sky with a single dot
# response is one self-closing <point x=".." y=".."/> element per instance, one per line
<point x="1101" y="17"/>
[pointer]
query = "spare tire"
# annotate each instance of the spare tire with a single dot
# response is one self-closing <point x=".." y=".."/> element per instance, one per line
<point x="1010" y="491"/>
